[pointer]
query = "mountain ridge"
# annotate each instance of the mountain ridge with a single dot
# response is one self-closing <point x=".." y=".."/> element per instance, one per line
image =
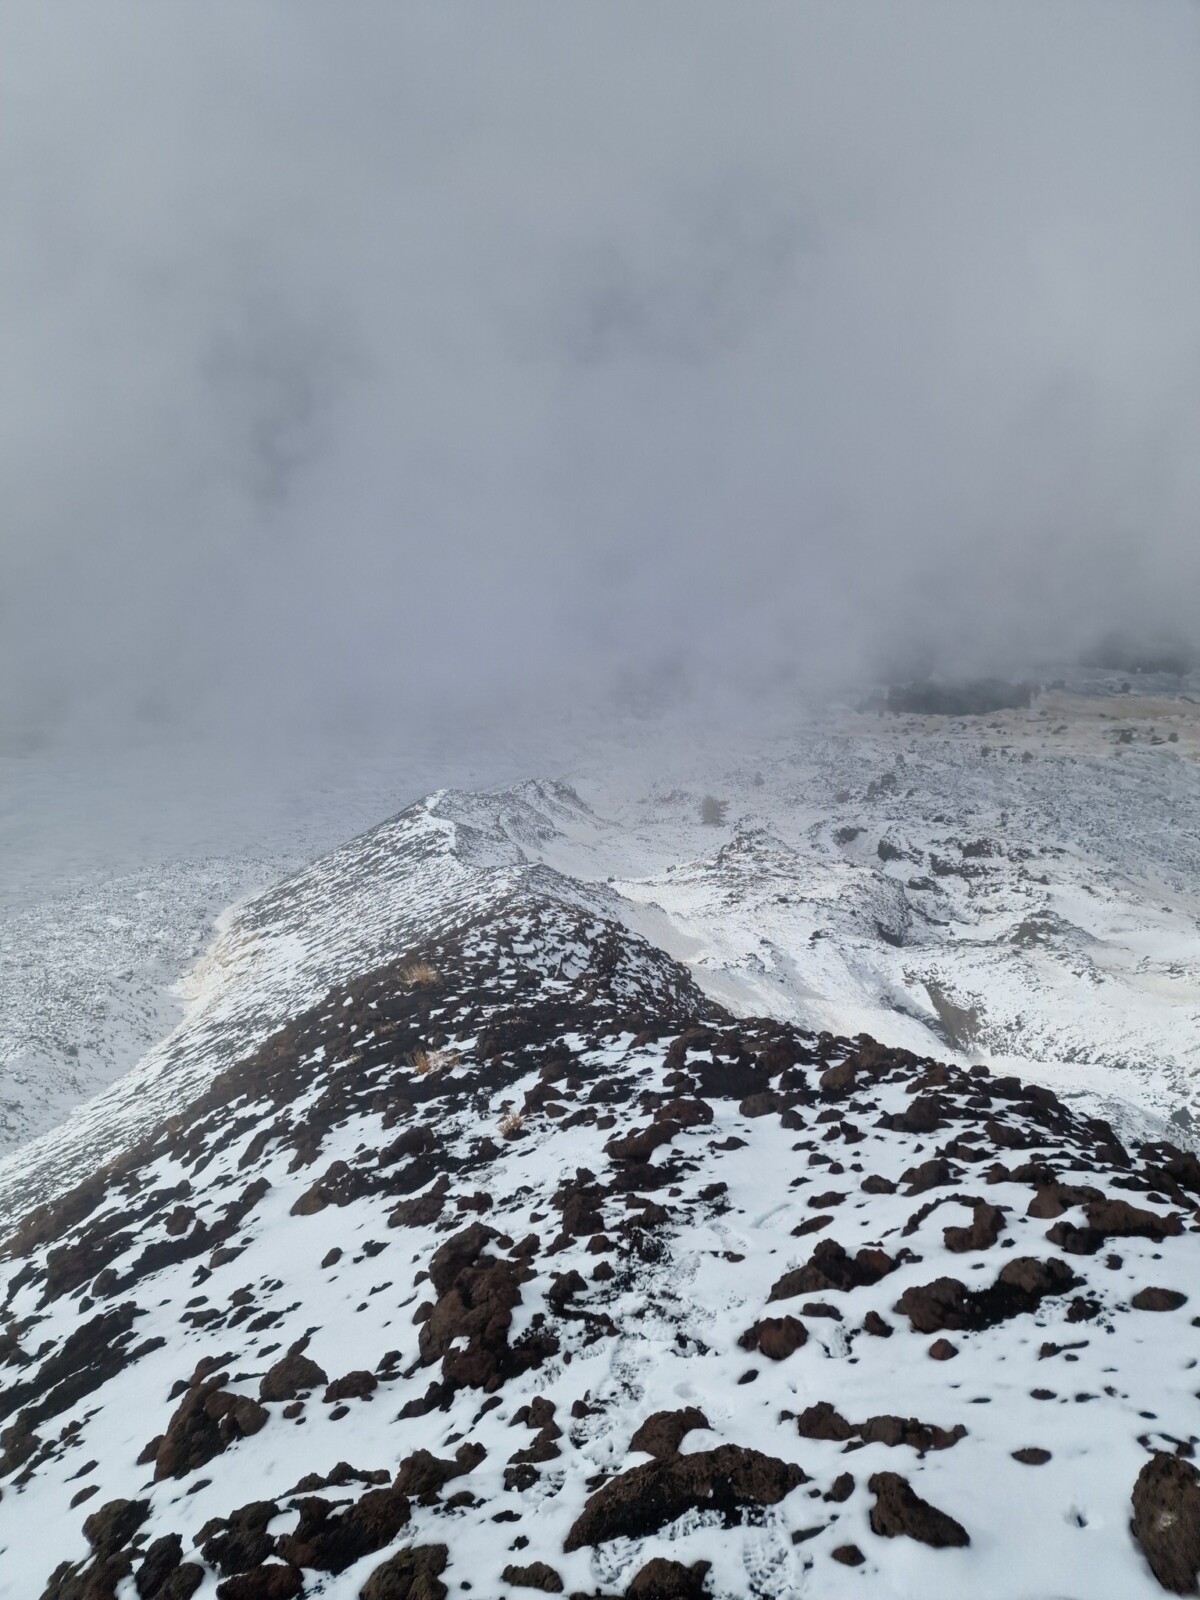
<point x="518" y="1261"/>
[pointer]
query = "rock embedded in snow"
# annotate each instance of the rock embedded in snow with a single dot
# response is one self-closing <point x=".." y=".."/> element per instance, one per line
<point x="900" y="1512"/>
<point x="1166" y="1521"/>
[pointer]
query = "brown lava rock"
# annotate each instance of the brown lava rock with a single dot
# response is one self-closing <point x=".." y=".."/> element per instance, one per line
<point x="160" y="1561"/>
<point x="728" y="1480"/>
<point x="899" y="1510"/>
<point x="537" y="1575"/>
<point x="1158" y="1300"/>
<point x="207" y="1420"/>
<point x="354" y="1386"/>
<point x="660" y="1579"/>
<point x="240" y="1540"/>
<point x="424" y="1475"/>
<point x="330" y="1540"/>
<point x="477" y="1293"/>
<point x="413" y="1573"/>
<point x="849" y="1555"/>
<point x="1020" y="1287"/>
<point x="1166" y="1520"/>
<point x="292" y="1374"/>
<point x="775" y="1337"/>
<point x="262" y="1583"/>
<point x="830" y="1267"/>
<point x="822" y="1421"/>
<point x="982" y="1233"/>
<point x="662" y="1432"/>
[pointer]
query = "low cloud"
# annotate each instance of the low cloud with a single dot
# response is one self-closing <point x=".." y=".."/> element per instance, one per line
<point x="380" y="365"/>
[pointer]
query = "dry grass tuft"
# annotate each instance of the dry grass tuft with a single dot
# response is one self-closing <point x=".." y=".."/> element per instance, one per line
<point x="419" y="975"/>
<point x="511" y="1124"/>
<point x="424" y="1062"/>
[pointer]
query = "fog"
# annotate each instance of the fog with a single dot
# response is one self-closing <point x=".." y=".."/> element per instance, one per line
<point x="379" y="368"/>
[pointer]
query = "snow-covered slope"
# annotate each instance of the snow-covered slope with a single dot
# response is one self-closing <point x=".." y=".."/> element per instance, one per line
<point x="521" y="1201"/>
<point x="277" y="953"/>
<point x="1020" y="887"/>
<point x="515" y="1262"/>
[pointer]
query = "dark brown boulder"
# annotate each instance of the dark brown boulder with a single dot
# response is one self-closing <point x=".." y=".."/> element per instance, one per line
<point x="727" y="1480"/>
<point x="982" y="1233"/>
<point x="411" y="1574"/>
<point x="182" y="1583"/>
<point x="424" y="1475"/>
<point x="831" y="1267"/>
<point x="108" y="1530"/>
<point x="899" y="1510"/>
<point x="822" y="1421"/>
<point x="353" y="1386"/>
<point x="1020" y="1287"/>
<point x="208" y="1419"/>
<point x="161" y="1559"/>
<point x="641" y="1144"/>
<point x="838" y="1081"/>
<point x="291" y="1374"/>
<point x="263" y="1583"/>
<point x="662" y="1432"/>
<point x="111" y="1526"/>
<point x="537" y="1575"/>
<point x="1158" y="1300"/>
<point x="1031" y="1456"/>
<point x="330" y="1540"/>
<point x="477" y="1294"/>
<point x="1166" y="1521"/>
<point x="661" y="1579"/>
<point x="775" y="1337"/>
<point x="240" y="1540"/>
<point x="935" y="1173"/>
<point x="1117" y="1219"/>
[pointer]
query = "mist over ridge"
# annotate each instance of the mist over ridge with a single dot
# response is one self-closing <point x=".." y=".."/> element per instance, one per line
<point x="397" y="369"/>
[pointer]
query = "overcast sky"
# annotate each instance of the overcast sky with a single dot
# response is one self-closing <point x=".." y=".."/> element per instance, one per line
<point x="362" y="364"/>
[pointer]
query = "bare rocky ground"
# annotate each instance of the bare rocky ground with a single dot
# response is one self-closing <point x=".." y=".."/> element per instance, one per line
<point x="518" y="1264"/>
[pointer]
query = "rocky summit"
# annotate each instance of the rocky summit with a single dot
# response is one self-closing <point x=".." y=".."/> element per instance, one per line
<point x="516" y="1263"/>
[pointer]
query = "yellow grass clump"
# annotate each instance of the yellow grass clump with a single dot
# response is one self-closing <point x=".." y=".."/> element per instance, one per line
<point x="424" y="1062"/>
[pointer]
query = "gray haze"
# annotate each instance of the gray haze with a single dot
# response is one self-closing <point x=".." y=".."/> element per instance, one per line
<point x="373" y="366"/>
